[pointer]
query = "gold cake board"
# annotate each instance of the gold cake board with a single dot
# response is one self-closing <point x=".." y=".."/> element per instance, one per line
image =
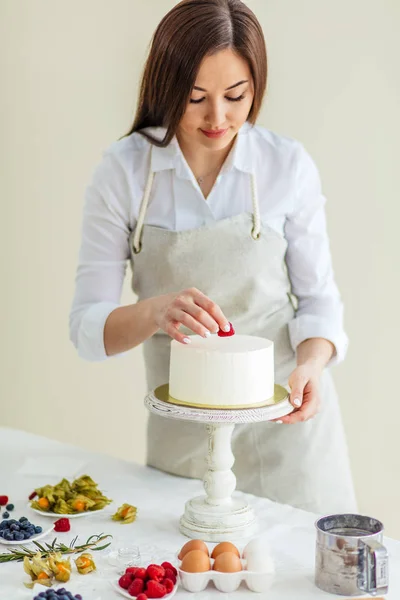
<point x="280" y="394"/>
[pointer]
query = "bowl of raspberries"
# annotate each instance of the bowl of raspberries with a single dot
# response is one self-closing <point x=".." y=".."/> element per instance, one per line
<point x="154" y="581"/>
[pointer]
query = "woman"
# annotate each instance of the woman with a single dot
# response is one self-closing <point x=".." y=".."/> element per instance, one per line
<point x="223" y="221"/>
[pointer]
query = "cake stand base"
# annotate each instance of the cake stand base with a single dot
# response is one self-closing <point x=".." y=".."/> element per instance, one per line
<point x="233" y="520"/>
<point x="221" y="514"/>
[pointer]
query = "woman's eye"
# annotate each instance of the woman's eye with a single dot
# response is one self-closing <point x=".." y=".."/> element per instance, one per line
<point x="226" y="97"/>
<point x="235" y="99"/>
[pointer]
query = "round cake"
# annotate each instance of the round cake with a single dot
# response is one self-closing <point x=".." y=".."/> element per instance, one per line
<point x="222" y="372"/>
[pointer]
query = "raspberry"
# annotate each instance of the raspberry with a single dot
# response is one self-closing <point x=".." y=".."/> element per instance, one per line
<point x="226" y="333"/>
<point x="141" y="597"/>
<point x="140" y="573"/>
<point x="125" y="581"/>
<point x="136" y="587"/>
<point x="131" y="570"/>
<point x="155" y="572"/>
<point x="62" y="525"/>
<point x="169" y="574"/>
<point x="167" y="565"/>
<point x="3" y="500"/>
<point x="32" y="496"/>
<point x="169" y="584"/>
<point x="155" y="589"/>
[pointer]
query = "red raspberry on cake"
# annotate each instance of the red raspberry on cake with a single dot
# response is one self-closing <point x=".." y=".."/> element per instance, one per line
<point x="155" y="589"/>
<point x="226" y="333"/>
<point x="136" y="587"/>
<point x="155" y="572"/>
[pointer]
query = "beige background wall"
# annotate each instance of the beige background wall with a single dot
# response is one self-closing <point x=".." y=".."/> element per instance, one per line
<point x="69" y="81"/>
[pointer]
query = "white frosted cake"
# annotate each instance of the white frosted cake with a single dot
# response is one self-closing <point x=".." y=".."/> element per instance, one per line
<point x="222" y="372"/>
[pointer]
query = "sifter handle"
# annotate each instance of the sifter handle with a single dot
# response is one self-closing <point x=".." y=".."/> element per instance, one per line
<point x="377" y="568"/>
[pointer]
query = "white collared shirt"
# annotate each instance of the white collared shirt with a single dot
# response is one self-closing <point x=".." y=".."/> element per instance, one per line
<point x="290" y="199"/>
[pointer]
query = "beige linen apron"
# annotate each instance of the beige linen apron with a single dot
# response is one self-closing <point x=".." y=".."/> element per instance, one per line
<point x="240" y="265"/>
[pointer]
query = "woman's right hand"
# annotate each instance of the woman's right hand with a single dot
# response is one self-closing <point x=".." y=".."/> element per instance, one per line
<point x="190" y="308"/>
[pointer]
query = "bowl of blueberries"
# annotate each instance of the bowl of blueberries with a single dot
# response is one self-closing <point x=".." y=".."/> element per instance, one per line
<point x="60" y="594"/>
<point x="14" y="532"/>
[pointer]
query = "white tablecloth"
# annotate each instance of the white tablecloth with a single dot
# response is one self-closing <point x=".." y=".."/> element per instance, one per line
<point x="28" y="461"/>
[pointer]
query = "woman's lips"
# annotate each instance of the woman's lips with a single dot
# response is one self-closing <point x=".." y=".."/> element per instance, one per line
<point x="214" y="134"/>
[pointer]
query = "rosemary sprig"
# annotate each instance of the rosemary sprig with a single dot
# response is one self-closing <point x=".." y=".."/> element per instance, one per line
<point x="92" y="543"/>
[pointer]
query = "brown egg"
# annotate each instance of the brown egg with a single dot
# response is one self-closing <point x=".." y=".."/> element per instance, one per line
<point x="193" y="545"/>
<point x="227" y="562"/>
<point x="196" y="561"/>
<point x="224" y="547"/>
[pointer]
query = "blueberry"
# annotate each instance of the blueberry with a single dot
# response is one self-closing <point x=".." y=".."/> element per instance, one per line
<point x="23" y="520"/>
<point x="3" y="525"/>
<point x="38" y="529"/>
<point x="10" y="507"/>
<point x="8" y="536"/>
<point x="14" y="527"/>
<point x="5" y="515"/>
<point x="78" y="597"/>
<point x="19" y="536"/>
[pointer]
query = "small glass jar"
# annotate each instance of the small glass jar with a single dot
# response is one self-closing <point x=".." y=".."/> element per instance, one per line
<point x="127" y="556"/>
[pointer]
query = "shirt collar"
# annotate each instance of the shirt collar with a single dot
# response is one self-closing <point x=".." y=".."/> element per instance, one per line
<point x="171" y="156"/>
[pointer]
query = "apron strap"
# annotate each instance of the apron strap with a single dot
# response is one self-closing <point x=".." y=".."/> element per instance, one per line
<point x="137" y="244"/>
<point x="255" y="232"/>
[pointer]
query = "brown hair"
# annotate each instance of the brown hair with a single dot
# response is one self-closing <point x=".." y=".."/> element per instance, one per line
<point x="190" y="31"/>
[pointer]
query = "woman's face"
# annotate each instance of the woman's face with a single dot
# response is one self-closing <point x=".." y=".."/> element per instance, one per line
<point x="220" y="101"/>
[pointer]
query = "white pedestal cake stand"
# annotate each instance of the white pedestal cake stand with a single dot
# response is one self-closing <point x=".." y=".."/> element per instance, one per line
<point x="219" y="515"/>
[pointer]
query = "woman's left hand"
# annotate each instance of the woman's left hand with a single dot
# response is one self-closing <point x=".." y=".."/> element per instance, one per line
<point x="304" y="394"/>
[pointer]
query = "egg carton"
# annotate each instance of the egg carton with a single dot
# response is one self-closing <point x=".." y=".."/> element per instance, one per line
<point x="256" y="581"/>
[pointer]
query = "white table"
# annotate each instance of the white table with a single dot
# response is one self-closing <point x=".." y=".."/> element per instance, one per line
<point x="25" y="463"/>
